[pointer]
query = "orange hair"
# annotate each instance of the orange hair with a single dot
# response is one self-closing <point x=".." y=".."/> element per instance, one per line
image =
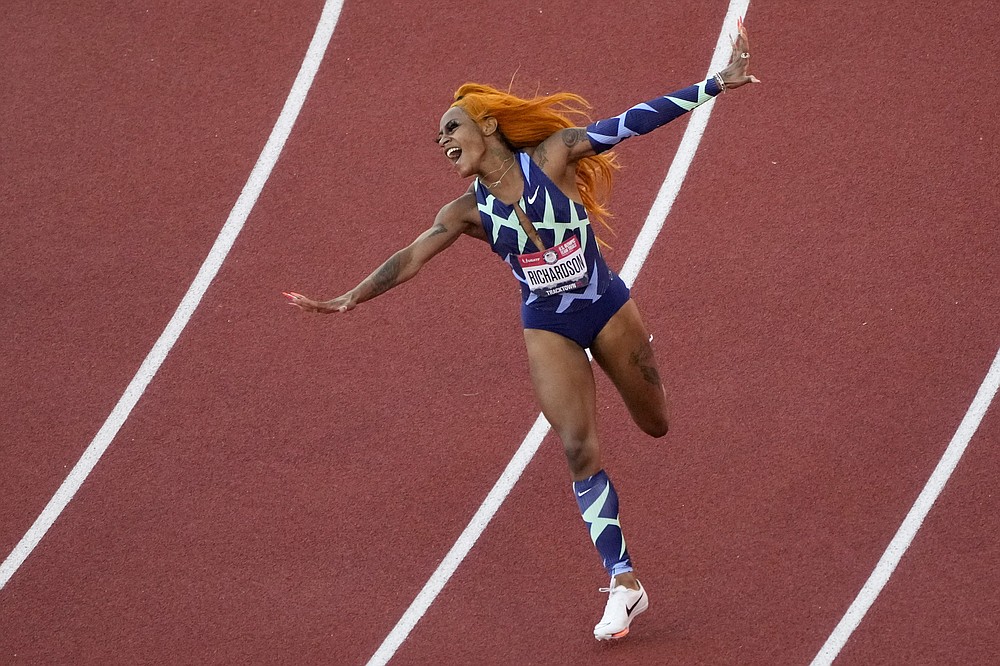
<point x="525" y="123"/>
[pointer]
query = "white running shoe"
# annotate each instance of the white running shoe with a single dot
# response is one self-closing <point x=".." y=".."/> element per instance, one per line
<point x="624" y="605"/>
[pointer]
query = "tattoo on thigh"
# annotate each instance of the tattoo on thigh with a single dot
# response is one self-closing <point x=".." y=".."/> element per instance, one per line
<point x="643" y="359"/>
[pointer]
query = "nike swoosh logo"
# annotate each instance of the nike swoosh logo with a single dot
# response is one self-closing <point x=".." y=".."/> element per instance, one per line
<point x="629" y="609"/>
<point x="582" y="493"/>
<point x="531" y="199"/>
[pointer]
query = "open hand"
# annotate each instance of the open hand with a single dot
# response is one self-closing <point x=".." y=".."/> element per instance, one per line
<point x="339" y="304"/>
<point x="737" y="72"/>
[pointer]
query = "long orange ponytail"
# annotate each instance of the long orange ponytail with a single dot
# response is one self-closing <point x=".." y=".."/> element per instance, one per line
<point x="527" y="122"/>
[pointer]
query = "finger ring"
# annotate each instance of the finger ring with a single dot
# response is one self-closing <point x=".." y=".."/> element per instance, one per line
<point x="744" y="55"/>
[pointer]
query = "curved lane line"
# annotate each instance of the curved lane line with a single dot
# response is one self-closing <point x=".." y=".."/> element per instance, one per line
<point x="643" y="244"/>
<point x="209" y="268"/>
<point x="914" y="519"/>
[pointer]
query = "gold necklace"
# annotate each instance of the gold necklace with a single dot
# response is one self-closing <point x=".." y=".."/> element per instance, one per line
<point x="490" y="187"/>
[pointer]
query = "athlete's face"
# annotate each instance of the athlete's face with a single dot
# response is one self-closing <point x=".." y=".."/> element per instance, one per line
<point x="462" y="140"/>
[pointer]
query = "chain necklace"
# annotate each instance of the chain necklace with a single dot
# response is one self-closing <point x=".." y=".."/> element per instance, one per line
<point x="490" y="187"/>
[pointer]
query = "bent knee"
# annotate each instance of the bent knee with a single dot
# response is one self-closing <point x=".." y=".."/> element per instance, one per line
<point x="656" y="427"/>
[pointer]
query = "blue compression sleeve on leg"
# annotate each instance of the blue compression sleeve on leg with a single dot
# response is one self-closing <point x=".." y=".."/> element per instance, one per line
<point x="644" y="118"/>
<point x="599" y="505"/>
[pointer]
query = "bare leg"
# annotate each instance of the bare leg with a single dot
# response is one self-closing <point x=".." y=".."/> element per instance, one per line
<point x="564" y="384"/>
<point x="624" y="352"/>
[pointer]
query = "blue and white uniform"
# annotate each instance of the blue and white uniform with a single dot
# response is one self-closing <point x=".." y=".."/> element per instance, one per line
<point x="566" y="287"/>
<point x="563" y="292"/>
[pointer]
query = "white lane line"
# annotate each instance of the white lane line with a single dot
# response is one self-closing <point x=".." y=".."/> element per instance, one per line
<point x="209" y="269"/>
<point x="644" y="242"/>
<point x="914" y="519"/>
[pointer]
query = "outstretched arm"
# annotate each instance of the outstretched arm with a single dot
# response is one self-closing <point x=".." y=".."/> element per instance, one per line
<point x="453" y="220"/>
<point x="576" y="143"/>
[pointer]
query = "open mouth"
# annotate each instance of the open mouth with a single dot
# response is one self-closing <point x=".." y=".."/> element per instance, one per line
<point x="453" y="153"/>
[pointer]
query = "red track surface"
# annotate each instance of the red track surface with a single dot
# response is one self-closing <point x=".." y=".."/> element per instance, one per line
<point x="824" y="300"/>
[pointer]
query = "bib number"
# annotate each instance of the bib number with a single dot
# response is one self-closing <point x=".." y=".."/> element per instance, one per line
<point x="561" y="268"/>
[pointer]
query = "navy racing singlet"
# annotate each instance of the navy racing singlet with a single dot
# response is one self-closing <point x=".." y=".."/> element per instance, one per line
<point x="568" y="277"/>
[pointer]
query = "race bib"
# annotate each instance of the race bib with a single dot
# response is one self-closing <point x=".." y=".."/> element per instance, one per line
<point x="556" y="270"/>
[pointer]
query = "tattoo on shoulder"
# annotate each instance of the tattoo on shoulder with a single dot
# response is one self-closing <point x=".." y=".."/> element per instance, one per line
<point x="573" y="136"/>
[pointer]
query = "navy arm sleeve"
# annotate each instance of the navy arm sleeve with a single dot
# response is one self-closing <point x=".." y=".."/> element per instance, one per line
<point x="644" y="118"/>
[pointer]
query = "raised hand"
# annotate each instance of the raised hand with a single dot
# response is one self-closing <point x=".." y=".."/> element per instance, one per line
<point x="737" y="72"/>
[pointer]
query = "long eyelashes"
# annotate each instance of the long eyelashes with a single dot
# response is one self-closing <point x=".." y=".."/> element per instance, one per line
<point x="449" y="128"/>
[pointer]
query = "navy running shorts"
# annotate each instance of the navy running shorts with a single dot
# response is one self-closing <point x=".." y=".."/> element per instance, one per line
<point x="581" y="326"/>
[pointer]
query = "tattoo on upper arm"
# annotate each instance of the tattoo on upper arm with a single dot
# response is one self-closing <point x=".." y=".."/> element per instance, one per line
<point x="573" y="136"/>
<point x="540" y="156"/>
<point x="437" y="229"/>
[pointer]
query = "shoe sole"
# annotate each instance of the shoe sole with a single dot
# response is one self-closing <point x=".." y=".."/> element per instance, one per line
<point x="613" y="637"/>
<point x="624" y="632"/>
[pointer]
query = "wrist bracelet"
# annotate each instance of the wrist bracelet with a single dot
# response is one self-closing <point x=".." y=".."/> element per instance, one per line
<point x="720" y="81"/>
